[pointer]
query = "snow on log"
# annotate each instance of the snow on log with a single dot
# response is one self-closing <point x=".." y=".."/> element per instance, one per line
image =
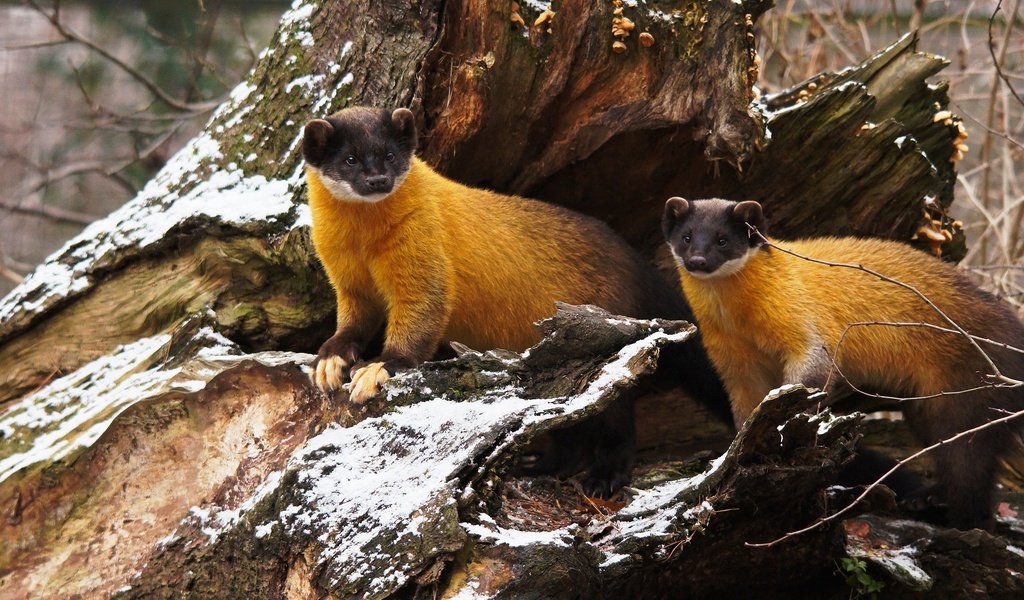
<point x="152" y="444"/>
<point x="369" y="505"/>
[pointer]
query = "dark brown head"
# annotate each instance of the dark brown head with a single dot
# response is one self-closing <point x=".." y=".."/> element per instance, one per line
<point x="361" y="154"/>
<point x="711" y="238"/>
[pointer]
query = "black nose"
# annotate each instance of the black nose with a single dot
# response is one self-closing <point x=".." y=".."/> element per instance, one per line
<point x="696" y="263"/>
<point x="378" y="182"/>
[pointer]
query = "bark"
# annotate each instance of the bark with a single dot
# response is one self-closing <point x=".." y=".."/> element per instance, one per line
<point x="160" y="438"/>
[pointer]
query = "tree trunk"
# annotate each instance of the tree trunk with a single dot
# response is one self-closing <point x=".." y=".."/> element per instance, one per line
<point x="160" y="438"/>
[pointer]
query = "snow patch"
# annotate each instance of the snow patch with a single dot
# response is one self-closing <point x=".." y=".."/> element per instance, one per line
<point x="265" y="529"/>
<point x="306" y="82"/>
<point x="295" y="23"/>
<point x="516" y="538"/>
<point x="226" y="196"/>
<point x="376" y="480"/>
<point x="73" y="411"/>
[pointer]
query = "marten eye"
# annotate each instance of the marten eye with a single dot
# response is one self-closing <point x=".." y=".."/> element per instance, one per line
<point x="722" y="241"/>
<point x="390" y="157"/>
<point x="350" y="160"/>
<point x="686" y="239"/>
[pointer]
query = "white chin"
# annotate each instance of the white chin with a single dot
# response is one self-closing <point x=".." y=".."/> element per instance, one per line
<point x="729" y="267"/>
<point x="342" y="190"/>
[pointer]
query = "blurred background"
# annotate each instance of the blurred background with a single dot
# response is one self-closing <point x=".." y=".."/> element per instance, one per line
<point x="97" y="95"/>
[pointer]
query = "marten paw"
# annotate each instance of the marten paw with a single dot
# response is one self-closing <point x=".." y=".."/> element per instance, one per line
<point x="332" y="364"/>
<point x="366" y="382"/>
<point x="329" y="372"/>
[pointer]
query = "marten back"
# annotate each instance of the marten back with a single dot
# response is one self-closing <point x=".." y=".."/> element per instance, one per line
<point x="514" y="257"/>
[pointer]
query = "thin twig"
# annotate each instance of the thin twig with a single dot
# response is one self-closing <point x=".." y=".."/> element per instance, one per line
<point x="997" y="62"/>
<point x="986" y="146"/>
<point x="876" y="483"/>
<point x="50" y="212"/>
<point x="150" y="85"/>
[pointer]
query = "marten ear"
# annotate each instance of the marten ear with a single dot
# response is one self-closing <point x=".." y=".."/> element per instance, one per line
<point x="750" y="212"/>
<point x="405" y="124"/>
<point x="314" y="140"/>
<point x="676" y="210"/>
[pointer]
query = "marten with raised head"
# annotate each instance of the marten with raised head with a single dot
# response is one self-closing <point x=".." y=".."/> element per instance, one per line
<point x="769" y="318"/>
<point x="432" y="260"/>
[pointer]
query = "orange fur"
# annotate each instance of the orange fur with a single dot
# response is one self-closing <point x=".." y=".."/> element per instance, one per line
<point x="780" y="318"/>
<point x="469" y="264"/>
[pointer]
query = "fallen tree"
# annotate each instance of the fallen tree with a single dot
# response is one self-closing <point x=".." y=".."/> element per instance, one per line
<point x="157" y="417"/>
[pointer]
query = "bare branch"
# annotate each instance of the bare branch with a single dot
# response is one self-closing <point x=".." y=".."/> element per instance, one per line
<point x="997" y="62"/>
<point x="150" y="85"/>
<point x="49" y="212"/>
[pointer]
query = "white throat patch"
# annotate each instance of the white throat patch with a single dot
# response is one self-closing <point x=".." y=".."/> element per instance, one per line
<point x="728" y="268"/>
<point x="342" y="190"/>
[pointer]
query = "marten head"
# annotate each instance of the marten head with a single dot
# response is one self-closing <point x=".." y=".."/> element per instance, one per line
<point x="361" y="154"/>
<point x="711" y="238"/>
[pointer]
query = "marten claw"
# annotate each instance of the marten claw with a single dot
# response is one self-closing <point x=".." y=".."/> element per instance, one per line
<point x="366" y="382"/>
<point x="329" y="373"/>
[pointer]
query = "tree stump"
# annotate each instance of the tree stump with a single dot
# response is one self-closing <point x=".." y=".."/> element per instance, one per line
<point x="159" y="436"/>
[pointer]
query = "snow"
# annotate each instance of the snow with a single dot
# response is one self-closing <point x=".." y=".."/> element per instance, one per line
<point x="295" y="22"/>
<point x="654" y="512"/>
<point x="361" y="479"/>
<point x="371" y="494"/>
<point x="782" y="390"/>
<point x="72" y="412"/>
<point x="237" y="105"/>
<point x="264" y="530"/>
<point x="514" y="537"/>
<point x="826" y="421"/>
<point x="537" y="5"/>
<point x="612" y="559"/>
<point x="177" y="194"/>
<point x="901" y="564"/>
<point x="468" y="592"/>
<point x="307" y="82"/>
<point x="666" y="493"/>
<point x="617" y="373"/>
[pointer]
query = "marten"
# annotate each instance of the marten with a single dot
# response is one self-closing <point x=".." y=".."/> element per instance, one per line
<point x="770" y="318"/>
<point x="430" y="260"/>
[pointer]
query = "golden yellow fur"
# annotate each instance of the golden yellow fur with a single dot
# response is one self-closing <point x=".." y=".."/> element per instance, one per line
<point x="449" y="262"/>
<point x="780" y="318"/>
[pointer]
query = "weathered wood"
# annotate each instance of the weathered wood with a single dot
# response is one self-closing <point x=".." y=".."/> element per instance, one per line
<point x="928" y="562"/>
<point x="220" y="240"/>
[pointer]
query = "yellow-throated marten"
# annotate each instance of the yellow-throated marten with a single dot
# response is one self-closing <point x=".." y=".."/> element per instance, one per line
<point x="769" y="318"/>
<point x="431" y="260"/>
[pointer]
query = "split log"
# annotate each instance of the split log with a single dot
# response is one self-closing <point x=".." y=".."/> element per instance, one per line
<point x="158" y="436"/>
